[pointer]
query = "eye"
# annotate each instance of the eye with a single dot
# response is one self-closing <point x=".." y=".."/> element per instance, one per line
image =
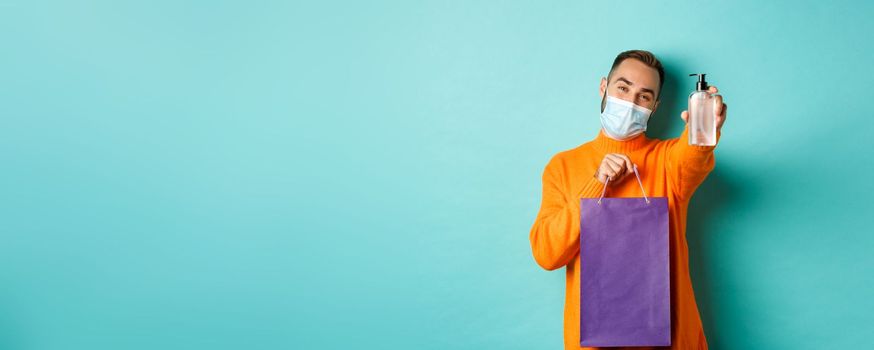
<point x="623" y="89"/>
<point x="645" y="98"/>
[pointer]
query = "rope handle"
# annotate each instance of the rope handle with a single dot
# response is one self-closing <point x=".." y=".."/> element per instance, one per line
<point x="637" y="175"/>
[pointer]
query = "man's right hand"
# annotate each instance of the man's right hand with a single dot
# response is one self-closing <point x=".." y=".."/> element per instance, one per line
<point x="616" y="167"/>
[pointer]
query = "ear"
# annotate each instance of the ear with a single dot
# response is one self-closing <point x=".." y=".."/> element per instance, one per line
<point x="603" y="87"/>
<point x="655" y="107"/>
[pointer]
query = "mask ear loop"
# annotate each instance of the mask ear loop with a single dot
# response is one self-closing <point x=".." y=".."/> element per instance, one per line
<point x="603" y="98"/>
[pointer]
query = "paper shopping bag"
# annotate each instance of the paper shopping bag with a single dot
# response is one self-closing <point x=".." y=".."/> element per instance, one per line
<point x="624" y="271"/>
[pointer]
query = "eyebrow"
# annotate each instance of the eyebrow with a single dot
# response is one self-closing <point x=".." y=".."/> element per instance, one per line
<point x="630" y="83"/>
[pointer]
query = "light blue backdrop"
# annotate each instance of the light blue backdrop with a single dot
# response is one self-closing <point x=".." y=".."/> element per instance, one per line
<point x="331" y="175"/>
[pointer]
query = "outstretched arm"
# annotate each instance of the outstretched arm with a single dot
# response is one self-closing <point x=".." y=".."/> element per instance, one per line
<point x="688" y="165"/>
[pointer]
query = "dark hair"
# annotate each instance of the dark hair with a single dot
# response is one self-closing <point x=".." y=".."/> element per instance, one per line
<point x="647" y="58"/>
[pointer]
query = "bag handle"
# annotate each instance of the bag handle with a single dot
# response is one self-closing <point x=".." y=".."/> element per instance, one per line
<point x="638" y="182"/>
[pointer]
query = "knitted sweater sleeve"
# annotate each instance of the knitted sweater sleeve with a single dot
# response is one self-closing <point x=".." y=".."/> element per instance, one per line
<point x="688" y="165"/>
<point x="555" y="235"/>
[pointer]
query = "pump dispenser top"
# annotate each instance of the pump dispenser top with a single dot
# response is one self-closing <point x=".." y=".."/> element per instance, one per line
<point x="702" y="82"/>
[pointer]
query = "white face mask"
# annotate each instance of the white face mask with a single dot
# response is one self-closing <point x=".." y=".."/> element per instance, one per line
<point x="623" y="120"/>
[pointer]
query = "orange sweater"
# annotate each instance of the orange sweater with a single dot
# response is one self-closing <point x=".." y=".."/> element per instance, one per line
<point x="668" y="168"/>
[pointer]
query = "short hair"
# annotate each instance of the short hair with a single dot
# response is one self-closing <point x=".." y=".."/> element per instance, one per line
<point x="647" y="58"/>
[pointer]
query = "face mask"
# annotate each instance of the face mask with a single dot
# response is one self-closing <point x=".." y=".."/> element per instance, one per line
<point x="622" y="119"/>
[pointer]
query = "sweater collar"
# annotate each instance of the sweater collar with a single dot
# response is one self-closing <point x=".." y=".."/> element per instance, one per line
<point x="608" y="145"/>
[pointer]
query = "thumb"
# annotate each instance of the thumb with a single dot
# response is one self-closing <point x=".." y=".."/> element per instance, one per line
<point x="685" y="116"/>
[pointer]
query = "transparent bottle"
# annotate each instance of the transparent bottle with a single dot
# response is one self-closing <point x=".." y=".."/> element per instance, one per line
<point x="702" y="114"/>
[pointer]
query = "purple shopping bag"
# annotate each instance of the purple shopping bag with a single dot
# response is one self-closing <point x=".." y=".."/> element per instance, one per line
<point x="625" y="287"/>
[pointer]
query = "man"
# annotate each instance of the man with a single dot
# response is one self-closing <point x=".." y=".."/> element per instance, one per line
<point x="668" y="168"/>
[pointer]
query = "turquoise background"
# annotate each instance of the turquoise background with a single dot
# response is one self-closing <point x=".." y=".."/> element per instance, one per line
<point x="327" y="175"/>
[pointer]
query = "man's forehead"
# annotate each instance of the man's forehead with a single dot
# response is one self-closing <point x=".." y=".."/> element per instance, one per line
<point x="636" y="73"/>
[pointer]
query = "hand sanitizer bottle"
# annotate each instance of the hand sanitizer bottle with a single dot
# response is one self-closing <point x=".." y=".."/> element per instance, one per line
<point x="702" y="115"/>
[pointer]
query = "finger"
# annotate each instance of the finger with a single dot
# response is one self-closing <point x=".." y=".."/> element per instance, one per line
<point x="602" y="178"/>
<point x="719" y="104"/>
<point x="629" y="163"/>
<point x="605" y="176"/>
<point x="713" y="90"/>
<point x="605" y="171"/>
<point x="623" y="176"/>
<point x="621" y="173"/>
<point x="685" y="116"/>
<point x="720" y="119"/>
<point x="615" y="169"/>
<point x="619" y="160"/>
<point x="623" y="168"/>
<point x="629" y="166"/>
